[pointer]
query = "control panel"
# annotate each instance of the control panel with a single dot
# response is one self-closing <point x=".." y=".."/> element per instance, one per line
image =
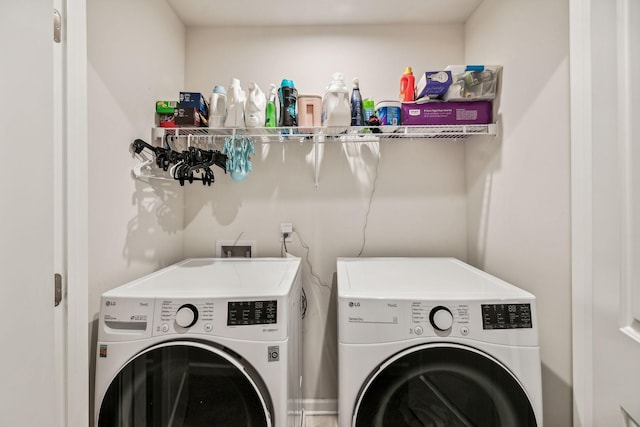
<point x="374" y="320"/>
<point x="506" y="316"/>
<point x="241" y="313"/>
<point x="242" y="319"/>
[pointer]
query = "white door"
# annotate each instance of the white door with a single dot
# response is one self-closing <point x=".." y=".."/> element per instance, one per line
<point x="605" y="67"/>
<point x="26" y="225"/>
<point x="43" y="362"/>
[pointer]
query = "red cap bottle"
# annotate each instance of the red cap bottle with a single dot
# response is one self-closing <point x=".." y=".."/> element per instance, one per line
<point x="407" y="86"/>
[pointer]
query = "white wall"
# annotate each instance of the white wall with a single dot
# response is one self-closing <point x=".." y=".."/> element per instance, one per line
<point x="419" y="203"/>
<point x="519" y="185"/>
<point x="136" y="56"/>
<point x="502" y="204"/>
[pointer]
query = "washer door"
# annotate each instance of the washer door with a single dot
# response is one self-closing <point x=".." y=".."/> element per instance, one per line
<point x="443" y="385"/>
<point x="184" y="384"/>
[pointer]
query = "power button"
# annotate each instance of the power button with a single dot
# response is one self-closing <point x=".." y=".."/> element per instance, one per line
<point x="418" y="330"/>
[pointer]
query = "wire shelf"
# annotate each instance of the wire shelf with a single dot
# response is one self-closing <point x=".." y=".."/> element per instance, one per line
<point x="328" y="134"/>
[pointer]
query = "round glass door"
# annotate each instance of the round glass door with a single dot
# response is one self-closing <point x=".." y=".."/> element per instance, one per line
<point x="453" y="386"/>
<point x="183" y="385"/>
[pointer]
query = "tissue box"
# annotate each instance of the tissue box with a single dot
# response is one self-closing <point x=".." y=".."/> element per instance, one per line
<point x="472" y="82"/>
<point x="446" y="113"/>
<point x="433" y="84"/>
<point x="194" y="100"/>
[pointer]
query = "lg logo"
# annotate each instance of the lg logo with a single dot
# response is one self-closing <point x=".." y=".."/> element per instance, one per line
<point x="110" y="303"/>
<point x="354" y="304"/>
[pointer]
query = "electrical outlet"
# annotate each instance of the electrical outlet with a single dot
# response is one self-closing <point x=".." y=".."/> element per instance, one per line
<point x="286" y="227"/>
<point x="236" y="248"/>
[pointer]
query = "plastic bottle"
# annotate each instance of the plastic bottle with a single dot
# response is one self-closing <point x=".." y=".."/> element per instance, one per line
<point x="407" y="86"/>
<point x="336" y="109"/>
<point x="369" y="108"/>
<point x="271" y="117"/>
<point x="235" y="105"/>
<point x="217" y="107"/>
<point x="357" y="115"/>
<point x="288" y="95"/>
<point x="254" y="107"/>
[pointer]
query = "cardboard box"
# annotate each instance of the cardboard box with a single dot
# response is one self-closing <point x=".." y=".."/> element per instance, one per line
<point x="446" y="113"/>
<point x="166" y="107"/>
<point x="190" y="117"/>
<point x="433" y="84"/>
<point x="194" y="100"/>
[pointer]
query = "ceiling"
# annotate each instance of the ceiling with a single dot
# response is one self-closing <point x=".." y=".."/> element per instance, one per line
<point x="327" y="12"/>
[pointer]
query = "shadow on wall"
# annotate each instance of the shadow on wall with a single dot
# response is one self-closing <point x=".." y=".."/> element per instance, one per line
<point x="156" y="215"/>
<point x="329" y="348"/>
<point x="482" y="161"/>
<point x="557" y="398"/>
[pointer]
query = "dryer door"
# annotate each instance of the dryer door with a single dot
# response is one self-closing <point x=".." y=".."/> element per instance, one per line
<point x="185" y="384"/>
<point x="443" y="385"/>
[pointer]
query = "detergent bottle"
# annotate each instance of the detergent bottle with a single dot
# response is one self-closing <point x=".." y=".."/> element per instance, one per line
<point x="235" y="105"/>
<point x="336" y="109"/>
<point x="254" y="107"/>
<point x="217" y="107"/>
<point x="407" y="86"/>
<point x="271" y="115"/>
<point x="288" y="95"/>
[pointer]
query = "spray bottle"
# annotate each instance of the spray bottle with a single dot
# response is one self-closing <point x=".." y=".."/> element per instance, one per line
<point x="271" y="116"/>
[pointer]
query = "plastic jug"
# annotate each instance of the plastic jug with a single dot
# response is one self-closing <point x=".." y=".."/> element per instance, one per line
<point x="254" y="107"/>
<point x="271" y="115"/>
<point x="336" y="109"/>
<point x="235" y="105"/>
<point x="218" y="107"/>
<point x="407" y="86"/>
<point x="288" y="95"/>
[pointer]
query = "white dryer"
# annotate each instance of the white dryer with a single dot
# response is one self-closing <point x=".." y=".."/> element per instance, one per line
<point x="205" y="342"/>
<point x="435" y="342"/>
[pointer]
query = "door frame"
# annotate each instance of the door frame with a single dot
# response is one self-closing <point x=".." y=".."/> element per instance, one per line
<point x="76" y="203"/>
<point x="587" y="52"/>
<point x="581" y="214"/>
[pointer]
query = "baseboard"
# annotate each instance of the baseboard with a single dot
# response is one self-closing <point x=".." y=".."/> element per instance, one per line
<point x="320" y="406"/>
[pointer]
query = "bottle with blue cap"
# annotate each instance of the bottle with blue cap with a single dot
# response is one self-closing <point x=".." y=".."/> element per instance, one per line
<point x="218" y="107"/>
<point x="288" y="96"/>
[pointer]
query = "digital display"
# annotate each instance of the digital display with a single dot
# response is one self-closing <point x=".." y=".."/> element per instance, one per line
<point x="506" y="316"/>
<point x="241" y="313"/>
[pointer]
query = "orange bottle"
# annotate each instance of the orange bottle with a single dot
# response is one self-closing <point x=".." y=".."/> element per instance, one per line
<point x="407" y="86"/>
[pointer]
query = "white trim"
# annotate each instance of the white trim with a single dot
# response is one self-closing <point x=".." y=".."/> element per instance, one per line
<point x="77" y="217"/>
<point x="313" y="407"/>
<point x="581" y="211"/>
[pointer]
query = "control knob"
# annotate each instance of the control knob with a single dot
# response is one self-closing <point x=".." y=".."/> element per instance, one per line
<point x="441" y="318"/>
<point x="187" y="315"/>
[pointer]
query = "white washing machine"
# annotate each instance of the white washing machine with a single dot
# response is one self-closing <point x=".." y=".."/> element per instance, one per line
<point x="205" y="342"/>
<point x="435" y="342"/>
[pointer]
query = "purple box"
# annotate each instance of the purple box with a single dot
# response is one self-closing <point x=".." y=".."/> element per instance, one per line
<point x="446" y="113"/>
